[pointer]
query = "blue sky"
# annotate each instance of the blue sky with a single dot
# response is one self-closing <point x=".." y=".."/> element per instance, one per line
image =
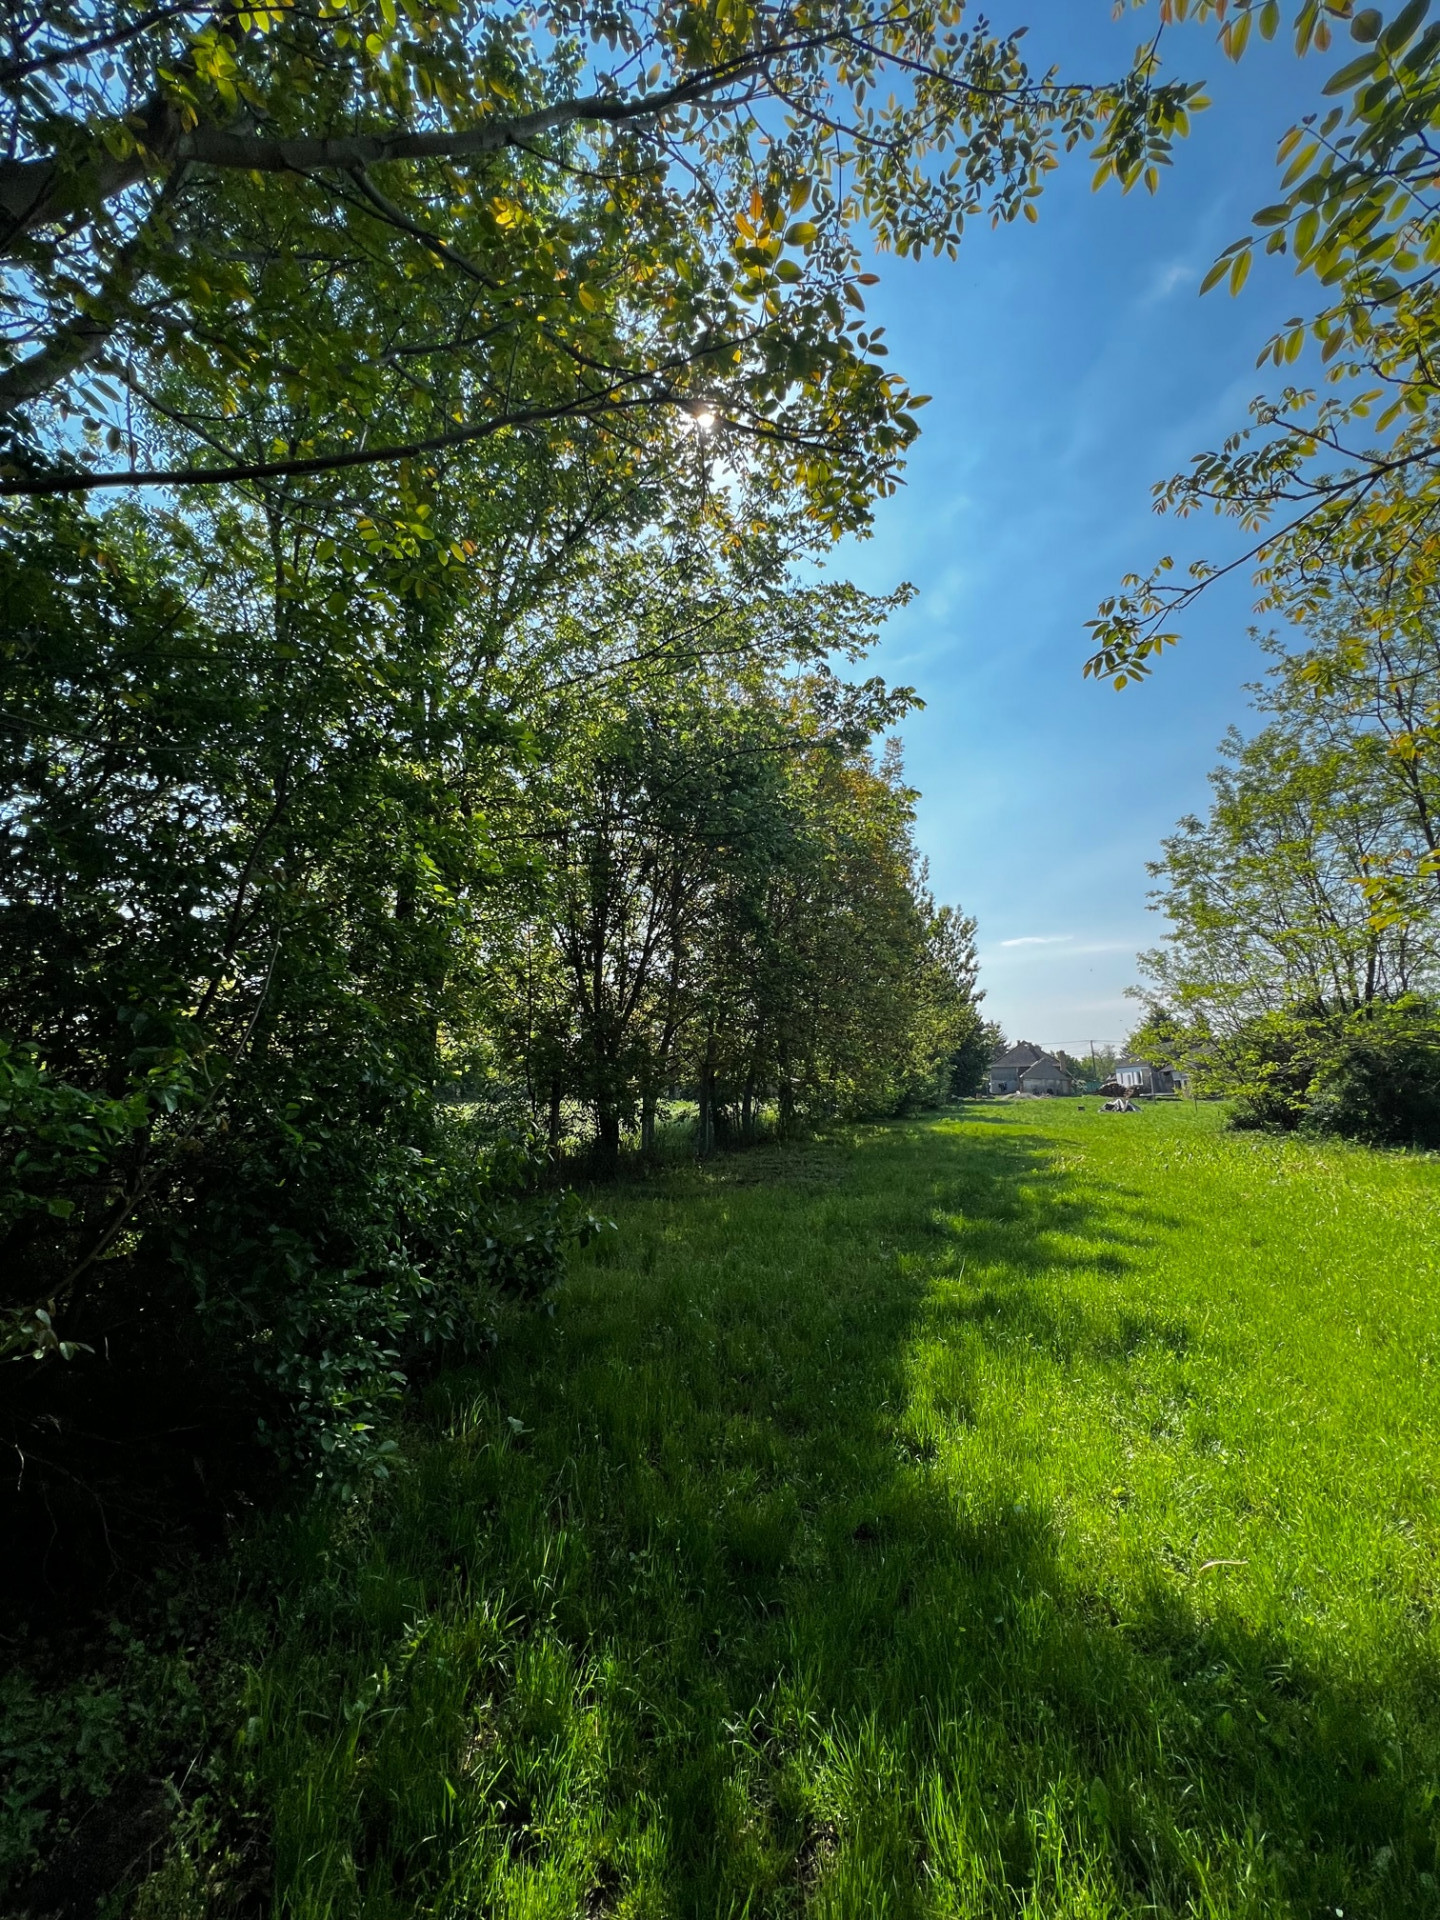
<point x="1072" y="365"/>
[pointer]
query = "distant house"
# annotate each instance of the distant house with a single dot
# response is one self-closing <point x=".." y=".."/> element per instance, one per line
<point x="1141" y="1076"/>
<point x="1027" y="1068"/>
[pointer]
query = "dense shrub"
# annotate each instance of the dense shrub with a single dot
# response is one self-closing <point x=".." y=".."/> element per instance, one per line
<point x="1372" y="1075"/>
<point x="332" y="1258"/>
<point x="66" y="1742"/>
<point x="1381" y="1082"/>
<point x="238" y="886"/>
<point x="322" y="1255"/>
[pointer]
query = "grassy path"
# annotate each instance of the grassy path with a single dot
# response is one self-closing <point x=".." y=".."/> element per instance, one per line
<point x="1031" y="1511"/>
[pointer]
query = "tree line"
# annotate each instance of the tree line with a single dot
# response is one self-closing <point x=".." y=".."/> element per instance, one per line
<point x="731" y="906"/>
<point x="447" y="749"/>
<point x="333" y="911"/>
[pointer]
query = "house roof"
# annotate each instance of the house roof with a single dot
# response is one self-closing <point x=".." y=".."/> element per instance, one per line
<point x="1048" y="1061"/>
<point x="1023" y="1054"/>
<point x="1149" y="1065"/>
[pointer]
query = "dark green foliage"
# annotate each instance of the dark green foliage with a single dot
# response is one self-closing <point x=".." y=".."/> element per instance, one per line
<point x="332" y="1257"/>
<point x="1381" y="1084"/>
<point x="282" y="871"/>
<point x="970" y="1062"/>
<point x="235" y="885"/>
<point x="68" y="1742"/>
<point x="1372" y="1075"/>
<point x="1268" y="1067"/>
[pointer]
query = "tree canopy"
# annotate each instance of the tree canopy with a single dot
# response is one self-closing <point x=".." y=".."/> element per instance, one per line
<point x="312" y="239"/>
<point x="1302" y="960"/>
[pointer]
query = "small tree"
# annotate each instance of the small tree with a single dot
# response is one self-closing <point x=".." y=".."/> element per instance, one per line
<point x="970" y="1062"/>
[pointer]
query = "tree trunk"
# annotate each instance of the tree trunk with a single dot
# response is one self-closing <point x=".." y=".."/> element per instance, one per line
<point x="552" y="1122"/>
<point x="705" y="1144"/>
<point x="747" y="1107"/>
<point x="607" y="1141"/>
<point x="647" y="1124"/>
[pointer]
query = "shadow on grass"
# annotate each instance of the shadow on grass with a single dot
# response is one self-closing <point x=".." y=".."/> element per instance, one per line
<point x="819" y="1679"/>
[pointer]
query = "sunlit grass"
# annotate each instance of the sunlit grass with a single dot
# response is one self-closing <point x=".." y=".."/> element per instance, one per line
<point x="1025" y="1512"/>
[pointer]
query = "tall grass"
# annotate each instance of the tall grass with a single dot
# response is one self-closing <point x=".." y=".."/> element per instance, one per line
<point x="1031" y="1512"/>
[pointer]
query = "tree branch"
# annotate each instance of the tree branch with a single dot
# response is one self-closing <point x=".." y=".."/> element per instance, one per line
<point x="611" y="400"/>
<point x="33" y="192"/>
<point x="56" y="57"/>
<point x="77" y="343"/>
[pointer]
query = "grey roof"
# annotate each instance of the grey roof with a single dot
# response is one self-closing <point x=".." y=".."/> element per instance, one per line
<point x="1045" y="1060"/>
<point x="1023" y="1054"/>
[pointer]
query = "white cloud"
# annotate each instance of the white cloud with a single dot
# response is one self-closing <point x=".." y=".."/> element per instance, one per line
<point x="1039" y="940"/>
<point x="1176" y="274"/>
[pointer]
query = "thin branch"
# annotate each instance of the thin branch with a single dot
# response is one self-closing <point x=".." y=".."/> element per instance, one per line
<point x="82" y="339"/>
<point x="611" y="400"/>
<point x="33" y="192"/>
<point x="397" y="217"/>
<point x="57" y="57"/>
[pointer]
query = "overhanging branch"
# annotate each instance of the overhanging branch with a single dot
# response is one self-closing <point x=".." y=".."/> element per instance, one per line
<point x="33" y="192"/>
<point x="613" y="400"/>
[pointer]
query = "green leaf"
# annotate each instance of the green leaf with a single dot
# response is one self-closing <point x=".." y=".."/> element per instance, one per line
<point x="1350" y="75"/>
<point x="1401" y="29"/>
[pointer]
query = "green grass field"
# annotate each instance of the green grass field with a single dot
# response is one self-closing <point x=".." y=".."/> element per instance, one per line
<point x="1027" y="1511"/>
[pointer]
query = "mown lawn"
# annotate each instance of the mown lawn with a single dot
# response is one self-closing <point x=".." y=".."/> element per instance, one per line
<point x="1028" y="1511"/>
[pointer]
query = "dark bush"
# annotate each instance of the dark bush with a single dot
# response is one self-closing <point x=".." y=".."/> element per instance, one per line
<point x="1381" y="1082"/>
<point x="331" y="1259"/>
<point x="241" y="888"/>
<point x="1372" y="1075"/>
